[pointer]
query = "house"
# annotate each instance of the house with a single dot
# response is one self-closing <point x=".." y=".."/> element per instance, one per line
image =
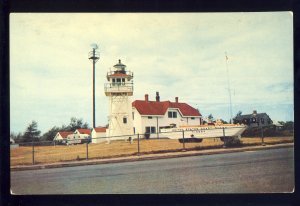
<point x="68" y="137"/>
<point x="13" y="144"/>
<point x="99" y="134"/>
<point x="254" y="120"/>
<point x="151" y="116"/>
<point x="61" y="137"/>
<point x="277" y="125"/>
<point x="83" y="132"/>
<point x="79" y="136"/>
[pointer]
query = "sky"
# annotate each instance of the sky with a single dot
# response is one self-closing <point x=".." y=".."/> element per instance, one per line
<point x="177" y="54"/>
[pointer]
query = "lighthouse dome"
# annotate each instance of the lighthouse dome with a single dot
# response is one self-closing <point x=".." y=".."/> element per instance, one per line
<point x="120" y="66"/>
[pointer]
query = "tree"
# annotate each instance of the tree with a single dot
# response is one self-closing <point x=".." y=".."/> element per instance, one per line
<point x="31" y="133"/>
<point x="210" y="117"/>
<point x="16" y="137"/>
<point x="77" y="124"/>
<point x="223" y="121"/>
<point x="236" y="116"/>
<point x="73" y="125"/>
<point x="48" y="136"/>
<point x="289" y="125"/>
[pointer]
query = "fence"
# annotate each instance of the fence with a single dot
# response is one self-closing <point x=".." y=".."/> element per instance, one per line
<point x="137" y="144"/>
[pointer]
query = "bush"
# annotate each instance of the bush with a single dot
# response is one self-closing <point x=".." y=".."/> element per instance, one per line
<point x="268" y="131"/>
<point x="231" y="141"/>
<point x="147" y="135"/>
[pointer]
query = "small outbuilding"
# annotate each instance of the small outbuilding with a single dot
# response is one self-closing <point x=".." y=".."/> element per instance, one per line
<point x="99" y="134"/>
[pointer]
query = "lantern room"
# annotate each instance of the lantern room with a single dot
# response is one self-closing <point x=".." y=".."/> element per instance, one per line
<point x="119" y="81"/>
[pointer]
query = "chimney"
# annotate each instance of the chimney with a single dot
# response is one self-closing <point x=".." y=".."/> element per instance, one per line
<point x="254" y="112"/>
<point x="146" y="97"/>
<point x="176" y="99"/>
<point x="157" y="97"/>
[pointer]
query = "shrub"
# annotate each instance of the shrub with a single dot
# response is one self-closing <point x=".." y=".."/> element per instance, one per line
<point x="147" y="135"/>
<point x="231" y="141"/>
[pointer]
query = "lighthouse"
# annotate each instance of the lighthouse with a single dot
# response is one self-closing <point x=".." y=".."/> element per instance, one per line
<point x="119" y="90"/>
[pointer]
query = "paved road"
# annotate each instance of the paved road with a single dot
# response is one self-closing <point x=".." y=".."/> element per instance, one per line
<point x="243" y="172"/>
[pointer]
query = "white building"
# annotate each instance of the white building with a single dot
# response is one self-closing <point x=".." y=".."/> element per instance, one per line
<point x="119" y="90"/>
<point x="72" y="137"/>
<point x="99" y="134"/>
<point x="83" y="132"/>
<point x="150" y="116"/>
<point x="79" y="136"/>
<point x="61" y="136"/>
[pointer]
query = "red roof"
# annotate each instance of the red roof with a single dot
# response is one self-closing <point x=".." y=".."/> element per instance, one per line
<point x="160" y="108"/>
<point x="65" y="134"/>
<point x="84" y="131"/>
<point x="100" y="129"/>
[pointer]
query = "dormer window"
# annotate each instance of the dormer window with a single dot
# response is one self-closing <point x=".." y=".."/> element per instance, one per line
<point x="172" y="114"/>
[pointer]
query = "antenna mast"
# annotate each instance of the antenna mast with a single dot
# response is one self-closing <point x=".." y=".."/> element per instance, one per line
<point x="94" y="57"/>
<point x="229" y="90"/>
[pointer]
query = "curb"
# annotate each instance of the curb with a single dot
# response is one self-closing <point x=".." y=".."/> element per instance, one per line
<point x="150" y="157"/>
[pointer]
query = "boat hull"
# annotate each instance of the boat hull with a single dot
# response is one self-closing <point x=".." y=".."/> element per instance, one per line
<point x="204" y="132"/>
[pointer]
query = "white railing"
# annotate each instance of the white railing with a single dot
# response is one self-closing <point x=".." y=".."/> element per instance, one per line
<point x="118" y="87"/>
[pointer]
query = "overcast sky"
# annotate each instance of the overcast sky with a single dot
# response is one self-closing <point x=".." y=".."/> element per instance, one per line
<point x="177" y="54"/>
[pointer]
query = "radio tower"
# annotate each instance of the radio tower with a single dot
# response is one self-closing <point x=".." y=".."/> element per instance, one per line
<point x="94" y="57"/>
<point x="229" y="90"/>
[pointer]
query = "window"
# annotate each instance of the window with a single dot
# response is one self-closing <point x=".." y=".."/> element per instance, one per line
<point x="124" y="120"/>
<point x="172" y="114"/>
<point x="133" y="130"/>
<point x="147" y="130"/>
<point x="133" y="115"/>
<point x="123" y="81"/>
<point x="118" y="81"/>
<point x="153" y="129"/>
<point x="192" y="117"/>
<point x="149" y="117"/>
<point x="262" y="120"/>
<point x="150" y="130"/>
<point x="253" y="119"/>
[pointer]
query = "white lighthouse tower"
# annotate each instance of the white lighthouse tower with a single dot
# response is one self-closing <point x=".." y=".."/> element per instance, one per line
<point x="119" y="90"/>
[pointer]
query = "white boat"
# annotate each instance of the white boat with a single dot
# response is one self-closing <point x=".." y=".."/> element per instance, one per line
<point x="199" y="132"/>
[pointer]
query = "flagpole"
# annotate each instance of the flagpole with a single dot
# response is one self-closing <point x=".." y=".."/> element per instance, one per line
<point x="229" y="91"/>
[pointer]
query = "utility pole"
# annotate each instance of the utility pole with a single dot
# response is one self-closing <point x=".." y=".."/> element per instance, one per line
<point x="94" y="56"/>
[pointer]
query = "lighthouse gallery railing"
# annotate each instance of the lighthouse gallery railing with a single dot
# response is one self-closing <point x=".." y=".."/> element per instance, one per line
<point x="118" y="87"/>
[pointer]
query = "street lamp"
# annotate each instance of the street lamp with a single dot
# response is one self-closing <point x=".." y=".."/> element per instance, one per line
<point x="94" y="57"/>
